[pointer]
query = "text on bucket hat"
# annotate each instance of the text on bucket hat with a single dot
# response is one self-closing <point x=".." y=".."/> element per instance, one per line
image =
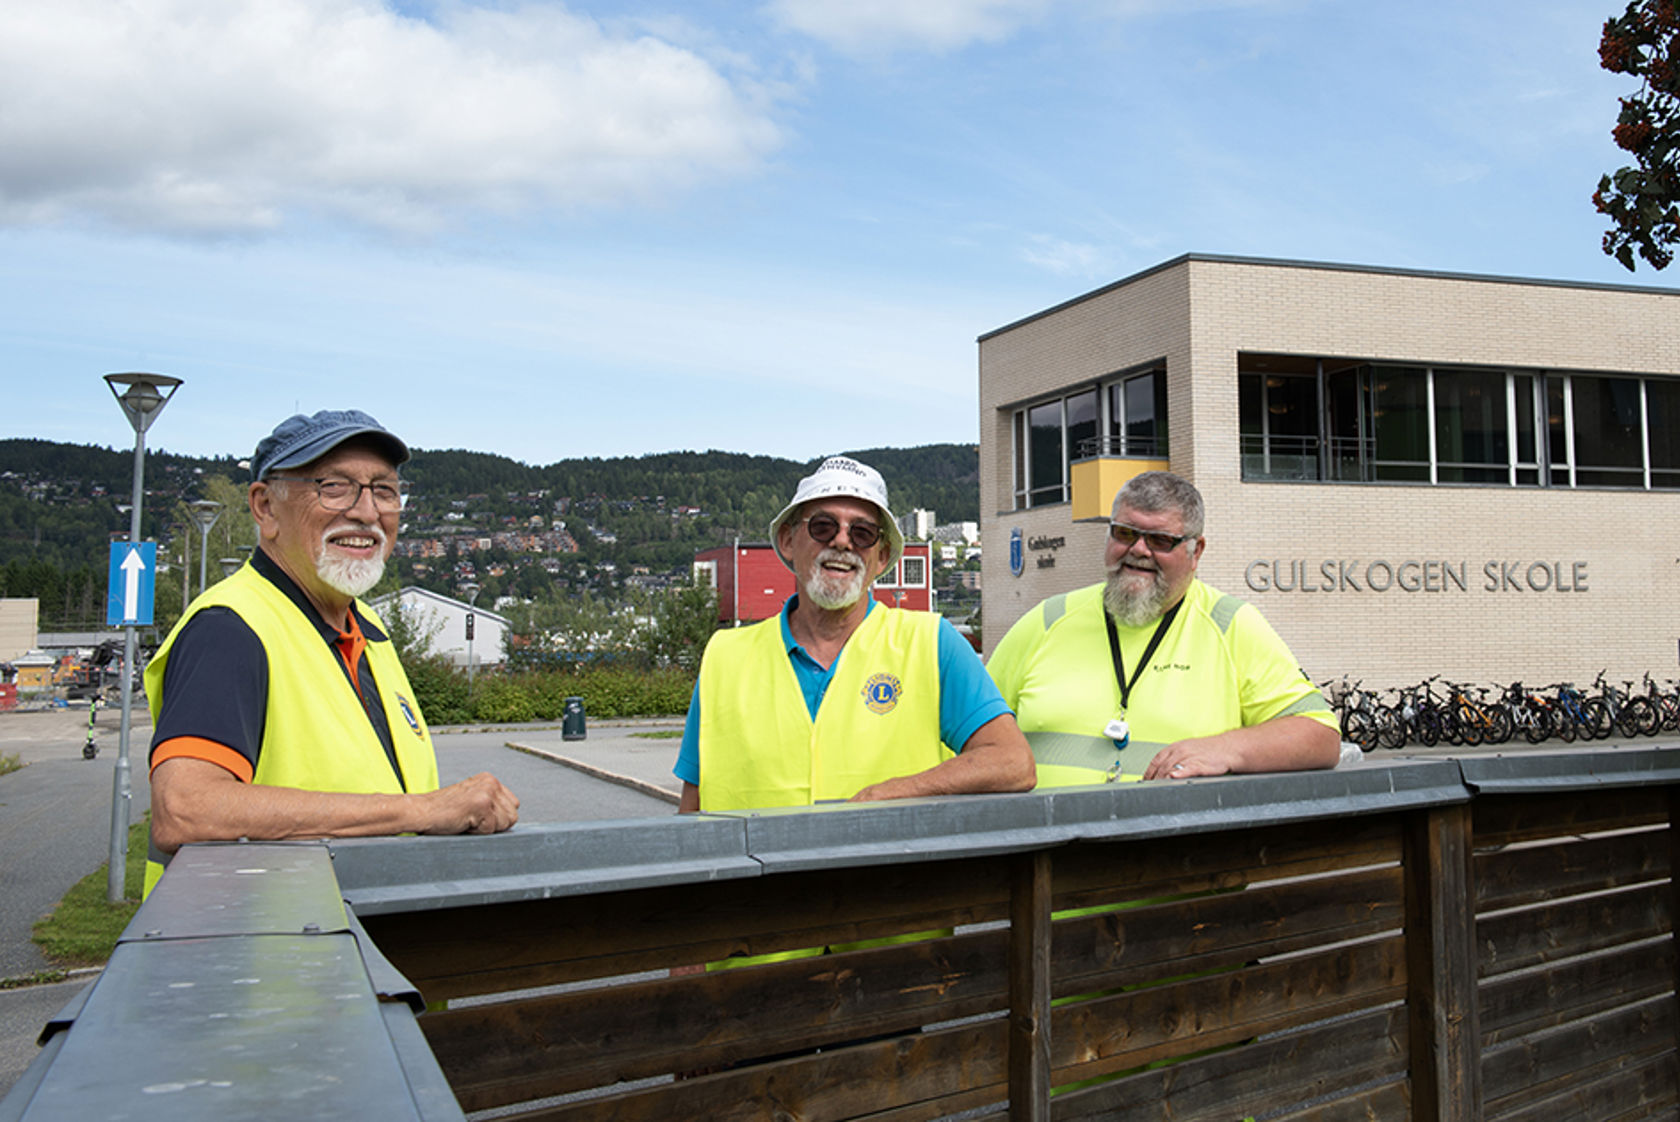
<point x="842" y="476"/>
<point x="300" y="440"/>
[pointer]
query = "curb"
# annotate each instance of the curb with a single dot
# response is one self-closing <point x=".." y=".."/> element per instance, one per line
<point x="631" y="782"/>
<point x="75" y="974"/>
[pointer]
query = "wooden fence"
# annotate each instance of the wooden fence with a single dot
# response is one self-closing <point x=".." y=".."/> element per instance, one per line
<point x="1486" y="938"/>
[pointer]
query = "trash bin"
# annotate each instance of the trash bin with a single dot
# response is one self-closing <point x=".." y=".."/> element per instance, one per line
<point x="571" y="720"/>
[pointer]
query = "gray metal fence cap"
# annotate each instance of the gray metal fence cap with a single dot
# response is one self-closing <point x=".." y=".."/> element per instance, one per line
<point x="241" y="888"/>
<point x="1570" y="770"/>
<point x="836" y="835"/>
<point x="533" y="862"/>
<point x="1143" y="810"/>
<point x="237" y="1032"/>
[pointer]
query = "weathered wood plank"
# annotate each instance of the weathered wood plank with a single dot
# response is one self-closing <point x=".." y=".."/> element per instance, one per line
<point x="507" y="1052"/>
<point x="1511" y="877"/>
<point x="1527" y="1001"/>
<point x="920" y="1076"/>
<point x="1545" y="933"/>
<point x="1259" y="1077"/>
<point x="1550" y="1062"/>
<point x="1638" y="1089"/>
<point x="1112" y="1033"/>
<point x="1391" y="1102"/>
<point x="1441" y="967"/>
<point x="1098" y="873"/>
<point x="545" y="942"/>
<point x="1029" y="989"/>
<point x="1508" y="819"/>
<point x="1210" y="932"/>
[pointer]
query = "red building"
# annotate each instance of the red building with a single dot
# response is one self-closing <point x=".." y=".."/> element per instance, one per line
<point x="752" y="583"/>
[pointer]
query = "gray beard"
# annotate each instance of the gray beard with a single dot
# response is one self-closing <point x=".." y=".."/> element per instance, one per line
<point x="832" y="591"/>
<point x="1132" y="606"/>
<point x="349" y="576"/>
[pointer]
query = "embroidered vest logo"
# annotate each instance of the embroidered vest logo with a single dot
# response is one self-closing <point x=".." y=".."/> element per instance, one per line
<point x="408" y="713"/>
<point x="880" y="693"/>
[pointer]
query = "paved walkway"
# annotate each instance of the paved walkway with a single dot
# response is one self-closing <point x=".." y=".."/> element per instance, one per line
<point x="55" y="817"/>
<point x="635" y="754"/>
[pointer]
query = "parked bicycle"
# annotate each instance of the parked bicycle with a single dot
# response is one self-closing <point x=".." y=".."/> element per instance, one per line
<point x="1630" y="714"/>
<point x="1530" y="713"/>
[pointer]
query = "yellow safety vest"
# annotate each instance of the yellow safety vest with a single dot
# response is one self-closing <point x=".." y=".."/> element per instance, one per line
<point x="1219" y="667"/>
<point x="879" y="718"/>
<point x="316" y="735"/>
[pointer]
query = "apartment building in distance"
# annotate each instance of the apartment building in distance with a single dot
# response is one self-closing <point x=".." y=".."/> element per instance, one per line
<point x="1408" y="472"/>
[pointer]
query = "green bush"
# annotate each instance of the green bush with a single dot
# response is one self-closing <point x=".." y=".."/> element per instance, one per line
<point x="440" y="689"/>
<point x="608" y="692"/>
<point x="502" y="700"/>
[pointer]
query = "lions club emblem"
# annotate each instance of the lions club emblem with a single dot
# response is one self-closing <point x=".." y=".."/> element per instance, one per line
<point x="881" y="692"/>
<point x="407" y="709"/>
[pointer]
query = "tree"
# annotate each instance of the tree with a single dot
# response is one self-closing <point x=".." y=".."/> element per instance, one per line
<point x="683" y="620"/>
<point x="1643" y="201"/>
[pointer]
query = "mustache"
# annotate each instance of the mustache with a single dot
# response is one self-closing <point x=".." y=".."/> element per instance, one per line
<point x="371" y="529"/>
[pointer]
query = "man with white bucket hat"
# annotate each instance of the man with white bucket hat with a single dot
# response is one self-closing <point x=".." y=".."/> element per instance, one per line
<point x="841" y="697"/>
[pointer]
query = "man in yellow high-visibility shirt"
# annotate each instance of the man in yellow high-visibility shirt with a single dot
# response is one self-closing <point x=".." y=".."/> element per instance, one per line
<point x="1153" y="674"/>
<point x="279" y="707"/>
<point x="841" y="697"/>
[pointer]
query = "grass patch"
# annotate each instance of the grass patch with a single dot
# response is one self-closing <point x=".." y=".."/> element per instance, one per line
<point x="10" y="762"/>
<point x="39" y="978"/>
<point x="82" y="929"/>
<point x="659" y="734"/>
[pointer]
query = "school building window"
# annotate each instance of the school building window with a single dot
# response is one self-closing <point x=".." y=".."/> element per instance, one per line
<point x="1349" y="421"/>
<point x="1124" y="415"/>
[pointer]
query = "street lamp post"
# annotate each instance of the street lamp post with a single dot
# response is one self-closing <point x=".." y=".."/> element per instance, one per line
<point x="472" y="600"/>
<point x="142" y="397"/>
<point x="204" y="514"/>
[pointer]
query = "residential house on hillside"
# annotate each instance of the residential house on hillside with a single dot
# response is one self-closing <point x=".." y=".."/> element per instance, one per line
<point x="752" y="583"/>
<point x="448" y="621"/>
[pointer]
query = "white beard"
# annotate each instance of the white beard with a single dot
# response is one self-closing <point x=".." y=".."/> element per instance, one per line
<point x="350" y="575"/>
<point x="833" y="591"/>
<point x="1131" y="601"/>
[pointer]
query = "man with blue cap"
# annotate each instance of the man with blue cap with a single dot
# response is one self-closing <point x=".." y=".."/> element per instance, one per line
<point x="279" y="707"/>
<point x="841" y="697"/>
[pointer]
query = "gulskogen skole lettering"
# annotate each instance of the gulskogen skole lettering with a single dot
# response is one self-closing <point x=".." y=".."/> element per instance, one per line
<point x="1416" y="576"/>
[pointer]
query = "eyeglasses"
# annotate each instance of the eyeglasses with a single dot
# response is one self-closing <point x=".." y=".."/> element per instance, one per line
<point x="1127" y="536"/>
<point x="343" y="494"/>
<point x="823" y="527"/>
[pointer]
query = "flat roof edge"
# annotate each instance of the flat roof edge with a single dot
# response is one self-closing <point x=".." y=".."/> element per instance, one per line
<point x="1328" y="267"/>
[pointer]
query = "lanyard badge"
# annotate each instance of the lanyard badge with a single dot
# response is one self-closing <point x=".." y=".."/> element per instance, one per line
<point x="1121" y="734"/>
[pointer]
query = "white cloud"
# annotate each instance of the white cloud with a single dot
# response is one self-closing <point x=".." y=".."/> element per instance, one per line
<point x="1064" y="258"/>
<point x="217" y="116"/>
<point x="870" y="26"/>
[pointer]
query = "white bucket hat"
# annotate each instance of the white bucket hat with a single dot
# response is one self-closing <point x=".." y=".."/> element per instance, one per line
<point x="842" y="476"/>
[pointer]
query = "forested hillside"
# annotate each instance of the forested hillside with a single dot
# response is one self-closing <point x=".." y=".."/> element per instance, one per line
<point x="61" y="505"/>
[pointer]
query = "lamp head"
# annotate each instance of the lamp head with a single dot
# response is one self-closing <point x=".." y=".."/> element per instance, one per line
<point x="142" y="396"/>
<point x="204" y="513"/>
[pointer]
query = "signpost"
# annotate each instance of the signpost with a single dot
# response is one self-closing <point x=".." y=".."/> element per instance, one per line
<point x="132" y="584"/>
<point x="142" y="397"/>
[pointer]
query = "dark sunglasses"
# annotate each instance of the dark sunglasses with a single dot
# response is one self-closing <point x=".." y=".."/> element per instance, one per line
<point x="1156" y="541"/>
<point x="823" y="527"/>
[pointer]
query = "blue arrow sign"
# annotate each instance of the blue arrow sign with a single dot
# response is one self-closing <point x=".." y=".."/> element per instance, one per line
<point x="131" y="584"/>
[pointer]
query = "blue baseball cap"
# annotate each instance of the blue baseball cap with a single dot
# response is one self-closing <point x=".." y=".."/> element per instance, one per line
<point x="300" y="440"/>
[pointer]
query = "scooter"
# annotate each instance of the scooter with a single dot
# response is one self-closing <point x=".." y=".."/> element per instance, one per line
<point x="91" y="748"/>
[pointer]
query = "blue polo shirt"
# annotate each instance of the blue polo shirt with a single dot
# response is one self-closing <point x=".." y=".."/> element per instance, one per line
<point x="968" y="697"/>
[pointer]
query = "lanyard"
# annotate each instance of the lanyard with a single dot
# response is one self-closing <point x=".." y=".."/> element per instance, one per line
<point x="1148" y="653"/>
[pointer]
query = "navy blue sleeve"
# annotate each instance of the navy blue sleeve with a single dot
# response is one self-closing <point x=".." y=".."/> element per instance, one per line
<point x="216" y="685"/>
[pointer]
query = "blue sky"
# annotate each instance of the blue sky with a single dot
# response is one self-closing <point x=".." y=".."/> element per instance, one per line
<point x="599" y="229"/>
